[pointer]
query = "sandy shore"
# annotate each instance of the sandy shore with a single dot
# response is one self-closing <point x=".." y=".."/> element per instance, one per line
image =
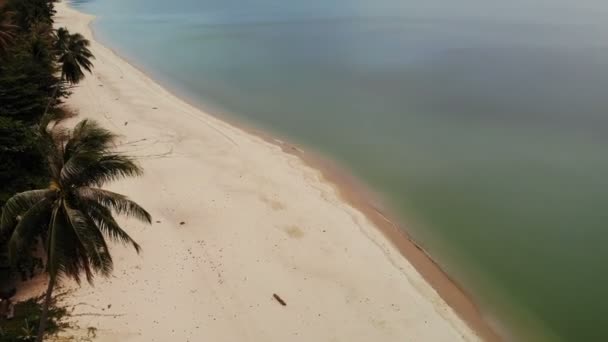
<point x="237" y="220"/>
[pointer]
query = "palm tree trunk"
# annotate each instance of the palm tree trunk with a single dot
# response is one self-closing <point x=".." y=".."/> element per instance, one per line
<point x="45" y="310"/>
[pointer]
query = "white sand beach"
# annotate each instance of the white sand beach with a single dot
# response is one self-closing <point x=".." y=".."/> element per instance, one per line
<point x="236" y="220"/>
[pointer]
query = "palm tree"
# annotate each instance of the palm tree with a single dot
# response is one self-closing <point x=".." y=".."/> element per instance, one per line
<point x="74" y="216"/>
<point x="73" y="55"/>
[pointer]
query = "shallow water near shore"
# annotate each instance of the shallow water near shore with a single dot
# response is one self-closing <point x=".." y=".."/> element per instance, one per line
<point x="484" y="125"/>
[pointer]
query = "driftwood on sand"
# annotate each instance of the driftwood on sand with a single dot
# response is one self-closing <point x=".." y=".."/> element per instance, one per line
<point x="279" y="299"/>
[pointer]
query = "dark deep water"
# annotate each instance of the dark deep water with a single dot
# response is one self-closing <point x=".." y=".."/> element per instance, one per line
<point x="484" y="124"/>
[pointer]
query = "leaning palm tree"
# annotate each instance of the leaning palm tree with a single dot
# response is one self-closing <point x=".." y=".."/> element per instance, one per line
<point x="73" y="216"/>
<point x="74" y="56"/>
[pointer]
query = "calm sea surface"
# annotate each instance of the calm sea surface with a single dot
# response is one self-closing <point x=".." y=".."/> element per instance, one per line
<point x="484" y="123"/>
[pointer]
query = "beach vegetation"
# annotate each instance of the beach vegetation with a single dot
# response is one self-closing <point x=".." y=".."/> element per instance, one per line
<point x="22" y="327"/>
<point x="7" y="28"/>
<point x="56" y="218"/>
<point x="73" y="216"/>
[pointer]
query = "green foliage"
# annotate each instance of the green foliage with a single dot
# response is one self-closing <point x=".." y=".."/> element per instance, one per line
<point x="28" y="68"/>
<point x="27" y="77"/>
<point x="21" y="163"/>
<point x="7" y="27"/>
<point x="74" y="215"/>
<point x="31" y="12"/>
<point x="73" y="55"/>
<point x="36" y="67"/>
<point x="71" y="215"/>
<point x="23" y="326"/>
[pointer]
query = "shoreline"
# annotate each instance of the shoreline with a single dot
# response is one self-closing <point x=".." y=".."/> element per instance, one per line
<point x="357" y="195"/>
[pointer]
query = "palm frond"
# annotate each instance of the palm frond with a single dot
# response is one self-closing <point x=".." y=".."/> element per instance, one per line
<point x="66" y="255"/>
<point x="62" y="36"/>
<point x="72" y="217"/>
<point x="107" y="168"/>
<point x="117" y="202"/>
<point x="51" y="141"/>
<point x="19" y="205"/>
<point x="106" y="223"/>
<point x="88" y="137"/>
<point x="88" y="160"/>
<point x="73" y="55"/>
<point x="92" y="241"/>
<point x="73" y="171"/>
<point x="82" y="54"/>
<point x="51" y="240"/>
<point x="31" y="224"/>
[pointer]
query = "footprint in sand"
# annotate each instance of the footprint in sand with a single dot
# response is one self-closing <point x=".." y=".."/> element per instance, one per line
<point x="294" y="231"/>
<point x="274" y="204"/>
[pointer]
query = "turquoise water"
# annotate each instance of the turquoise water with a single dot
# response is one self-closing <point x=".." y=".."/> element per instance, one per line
<point x="483" y="123"/>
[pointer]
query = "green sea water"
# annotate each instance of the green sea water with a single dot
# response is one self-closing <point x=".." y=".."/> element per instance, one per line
<point x="484" y="124"/>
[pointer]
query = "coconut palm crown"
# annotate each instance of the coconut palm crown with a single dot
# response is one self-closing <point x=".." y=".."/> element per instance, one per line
<point x="73" y="55"/>
<point x="74" y="216"/>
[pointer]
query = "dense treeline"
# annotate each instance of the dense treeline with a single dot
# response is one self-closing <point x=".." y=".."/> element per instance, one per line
<point x="51" y="177"/>
<point x="28" y="77"/>
<point x="27" y="82"/>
